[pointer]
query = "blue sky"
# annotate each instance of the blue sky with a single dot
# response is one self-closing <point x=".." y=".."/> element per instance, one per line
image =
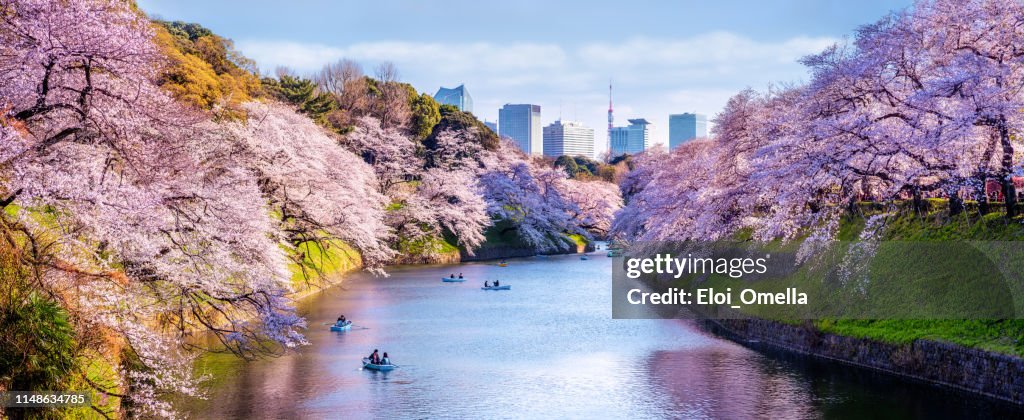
<point x="662" y="56"/>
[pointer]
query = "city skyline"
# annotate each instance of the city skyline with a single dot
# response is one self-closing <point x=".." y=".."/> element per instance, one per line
<point x="686" y="127"/>
<point x="572" y="138"/>
<point x="522" y="123"/>
<point x="659" y="66"/>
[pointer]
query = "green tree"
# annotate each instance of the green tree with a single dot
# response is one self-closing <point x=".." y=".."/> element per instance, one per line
<point x="426" y="113"/>
<point x="204" y="69"/>
<point x="291" y="89"/>
<point x="568" y="164"/>
<point x="453" y="119"/>
<point x="319" y="107"/>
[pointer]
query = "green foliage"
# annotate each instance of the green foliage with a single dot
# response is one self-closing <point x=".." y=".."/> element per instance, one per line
<point x="579" y="240"/>
<point x="301" y="93"/>
<point x="426" y="113"/>
<point x="38" y="344"/>
<point x="582" y="167"/>
<point x="37" y="348"/>
<point x="568" y="164"/>
<point x="291" y="89"/>
<point x="1003" y="335"/>
<point x="952" y="273"/>
<point x="424" y="246"/>
<point x="453" y="119"/>
<point x="187" y="30"/>
<point x="316" y="260"/>
<point x="204" y="69"/>
<point x="625" y="157"/>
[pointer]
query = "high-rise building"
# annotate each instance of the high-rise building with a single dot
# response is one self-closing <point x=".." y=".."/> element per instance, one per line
<point x="632" y="139"/>
<point x="493" y="125"/>
<point x="458" y="96"/>
<point x="568" y="138"/>
<point x="521" y="123"/>
<point x="685" y="127"/>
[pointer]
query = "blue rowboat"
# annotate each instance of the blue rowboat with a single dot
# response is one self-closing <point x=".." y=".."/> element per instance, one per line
<point x="496" y="288"/>
<point x="342" y="327"/>
<point x="371" y="366"/>
<point x="584" y="257"/>
<point x="452" y="280"/>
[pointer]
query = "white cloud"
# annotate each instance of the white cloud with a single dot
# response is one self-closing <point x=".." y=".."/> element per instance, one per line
<point x="653" y="77"/>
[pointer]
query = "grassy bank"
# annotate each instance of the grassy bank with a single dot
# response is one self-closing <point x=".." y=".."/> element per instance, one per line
<point x="912" y="259"/>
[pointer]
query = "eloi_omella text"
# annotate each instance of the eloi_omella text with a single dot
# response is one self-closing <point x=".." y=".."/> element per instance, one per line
<point x="710" y="296"/>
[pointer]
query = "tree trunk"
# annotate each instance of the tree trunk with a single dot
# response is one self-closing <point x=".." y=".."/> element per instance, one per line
<point x="1006" y="169"/>
<point x="956" y="205"/>
<point x="919" y="203"/>
<point x="982" y="197"/>
<point x="981" y="190"/>
<point x="10" y="199"/>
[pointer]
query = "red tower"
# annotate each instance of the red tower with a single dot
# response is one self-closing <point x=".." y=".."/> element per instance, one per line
<point x="611" y="118"/>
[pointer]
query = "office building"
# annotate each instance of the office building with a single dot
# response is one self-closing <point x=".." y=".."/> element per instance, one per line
<point x="685" y="127"/>
<point x="632" y="139"/>
<point x="458" y="97"/>
<point x="521" y="123"/>
<point x="568" y="138"/>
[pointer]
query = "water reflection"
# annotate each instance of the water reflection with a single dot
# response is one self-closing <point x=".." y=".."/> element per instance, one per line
<point x="546" y="348"/>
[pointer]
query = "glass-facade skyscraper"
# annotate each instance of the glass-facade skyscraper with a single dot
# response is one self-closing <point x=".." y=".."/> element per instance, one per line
<point x="632" y="139"/>
<point x="685" y="127"/>
<point x="568" y="138"/>
<point x="521" y="123"/>
<point x="458" y="97"/>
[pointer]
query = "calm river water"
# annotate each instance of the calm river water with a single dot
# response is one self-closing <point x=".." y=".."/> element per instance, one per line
<point x="546" y="348"/>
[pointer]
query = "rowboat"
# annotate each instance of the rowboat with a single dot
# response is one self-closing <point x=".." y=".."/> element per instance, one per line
<point x="584" y="257"/>
<point x="371" y="366"/>
<point x="452" y="280"/>
<point x="343" y="327"/>
<point x="496" y="288"/>
<point x="502" y="264"/>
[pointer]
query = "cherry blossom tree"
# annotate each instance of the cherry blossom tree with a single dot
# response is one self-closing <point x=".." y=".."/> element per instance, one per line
<point x="524" y="195"/>
<point x="444" y="201"/>
<point x="453" y="150"/>
<point x="654" y="215"/>
<point x="392" y="154"/>
<point x="320" y="190"/>
<point x="594" y="204"/>
<point x="143" y="227"/>
<point x="425" y="203"/>
<point x="924" y="101"/>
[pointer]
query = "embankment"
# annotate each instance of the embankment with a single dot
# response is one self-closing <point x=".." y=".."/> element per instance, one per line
<point x="991" y="374"/>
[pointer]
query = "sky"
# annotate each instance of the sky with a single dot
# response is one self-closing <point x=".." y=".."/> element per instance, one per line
<point x="663" y="57"/>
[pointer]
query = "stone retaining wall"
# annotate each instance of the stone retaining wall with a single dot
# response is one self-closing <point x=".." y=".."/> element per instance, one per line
<point x="994" y="375"/>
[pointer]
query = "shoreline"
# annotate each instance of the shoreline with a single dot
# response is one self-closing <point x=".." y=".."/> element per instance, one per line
<point x="982" y="373"/>
<point x="337" y="278"/>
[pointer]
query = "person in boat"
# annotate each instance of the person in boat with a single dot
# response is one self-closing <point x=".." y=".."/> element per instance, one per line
<point x="496" y="283"/>
<point x="487" y="283"/>
<point x="460" y="275"/>
<point x="452" y="276"/>
<point x="385" y="360"/>
<point x="374" y="357"/>
<point x="341" y="320"/>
